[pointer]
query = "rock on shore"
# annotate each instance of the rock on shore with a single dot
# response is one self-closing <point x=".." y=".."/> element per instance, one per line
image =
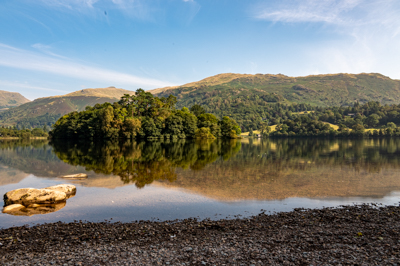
<point x="351" y="235"/>
<point x="29" y="201"/>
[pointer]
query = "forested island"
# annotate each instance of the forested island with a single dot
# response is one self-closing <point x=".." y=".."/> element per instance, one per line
<point x="144" y="116"/>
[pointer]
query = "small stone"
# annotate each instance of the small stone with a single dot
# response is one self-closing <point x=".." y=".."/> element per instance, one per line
<point x="75" y="176"/>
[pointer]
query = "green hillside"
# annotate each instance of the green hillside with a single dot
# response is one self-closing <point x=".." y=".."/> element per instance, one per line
<point x="45" y="111"/>
<point x="11" y="99"/>
<point x="252" y="98"/>
<point x="317" y="90"/>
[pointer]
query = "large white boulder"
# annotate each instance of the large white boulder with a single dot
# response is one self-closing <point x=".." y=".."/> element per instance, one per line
<point x="49" y="195"/>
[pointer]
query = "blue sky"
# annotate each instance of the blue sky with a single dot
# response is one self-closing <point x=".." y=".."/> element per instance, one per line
<point x="52" y="47"/>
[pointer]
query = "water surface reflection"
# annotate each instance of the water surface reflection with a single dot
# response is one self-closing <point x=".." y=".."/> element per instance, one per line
<point x="205" y="174"/>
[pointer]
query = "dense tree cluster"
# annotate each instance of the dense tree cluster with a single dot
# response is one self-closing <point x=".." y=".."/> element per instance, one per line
<point x="143" y="116"/>
<point x="370" y="119"/>
<point x="31" y="122"/>
<point x="303" y="126"/>
<point x="369" y="115"/>
<point x="13" y="132"/>
<point x="248" y="107"/>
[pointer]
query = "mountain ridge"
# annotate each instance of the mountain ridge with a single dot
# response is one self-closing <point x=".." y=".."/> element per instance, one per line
<point x="46" y="110"/>
<point x="11" y="99"/>
<point x="273" y="80"/>
<point x="318" y="90"/>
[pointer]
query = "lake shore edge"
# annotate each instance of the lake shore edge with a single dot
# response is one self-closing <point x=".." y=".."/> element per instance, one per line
<point x="358" y="234"/>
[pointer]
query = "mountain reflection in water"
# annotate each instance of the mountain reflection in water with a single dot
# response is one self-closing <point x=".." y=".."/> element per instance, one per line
<point x="223" y="170"/>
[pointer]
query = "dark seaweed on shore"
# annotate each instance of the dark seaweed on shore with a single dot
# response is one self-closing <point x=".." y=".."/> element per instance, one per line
<point x="347" y="235"/>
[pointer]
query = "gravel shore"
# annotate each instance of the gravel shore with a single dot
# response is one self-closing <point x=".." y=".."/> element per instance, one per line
<point x="348" y="235"/>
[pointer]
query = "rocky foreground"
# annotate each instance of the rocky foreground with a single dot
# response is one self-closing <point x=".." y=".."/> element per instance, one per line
<point x="351" y="235"/>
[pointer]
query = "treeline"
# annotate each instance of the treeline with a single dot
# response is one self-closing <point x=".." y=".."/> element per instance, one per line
<point x="369" y="119"/>
<point x="143" y="116"/>
<point x="13" y="132"/>
<point x="46" y="120"/>
<point x="252" y="116"/>
<point x="369" y="115"/>
<point x="249" y="108"/>
<point x="303" y="126"/>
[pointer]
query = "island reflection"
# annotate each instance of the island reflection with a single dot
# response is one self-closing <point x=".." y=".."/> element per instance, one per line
<point x="142" y="163"/>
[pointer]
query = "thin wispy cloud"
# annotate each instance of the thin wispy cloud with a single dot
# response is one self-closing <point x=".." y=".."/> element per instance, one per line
<point x="135" y="8"/>
<point x="70" y="4"/>
<point x="342" y="13"/>
<point x="145" y="10"/>
<point x="46" y="49"/>
<point x="367" y="32"/>
<point x="22" y="59"/>
<point x="329" y="11"/>
<point x="193" y="9"/>
<point x="17" y="85"/>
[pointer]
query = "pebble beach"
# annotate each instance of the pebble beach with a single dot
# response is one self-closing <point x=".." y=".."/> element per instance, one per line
<point x="346" y="235"/>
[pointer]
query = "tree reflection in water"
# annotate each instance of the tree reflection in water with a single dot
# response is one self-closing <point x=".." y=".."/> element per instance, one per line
<point x="228" y="170"/>
<point x="144" y="162"/>
<point x="247" y="163"/>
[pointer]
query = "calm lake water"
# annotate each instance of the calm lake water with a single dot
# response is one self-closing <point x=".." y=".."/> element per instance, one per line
<point x="208" y="179"/>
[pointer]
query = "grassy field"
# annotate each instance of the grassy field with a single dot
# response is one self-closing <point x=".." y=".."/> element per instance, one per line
<point x="246" y="134"/>
<point x="335" y="127"/>
<point x="302" y="113"/>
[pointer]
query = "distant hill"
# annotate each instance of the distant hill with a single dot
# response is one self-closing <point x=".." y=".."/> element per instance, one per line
<point x="11" y="99"/>
<point x="318" y="90"/>
<point x="45" y="111"/>
<point x="247" y="98"/>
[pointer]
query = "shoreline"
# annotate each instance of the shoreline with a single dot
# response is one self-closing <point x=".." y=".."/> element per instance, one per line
<point x="358" y="234"/>
<point x="17" y="138"/>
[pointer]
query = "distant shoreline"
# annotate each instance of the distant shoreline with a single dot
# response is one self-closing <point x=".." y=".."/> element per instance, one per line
<point x="12" y="138"/>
